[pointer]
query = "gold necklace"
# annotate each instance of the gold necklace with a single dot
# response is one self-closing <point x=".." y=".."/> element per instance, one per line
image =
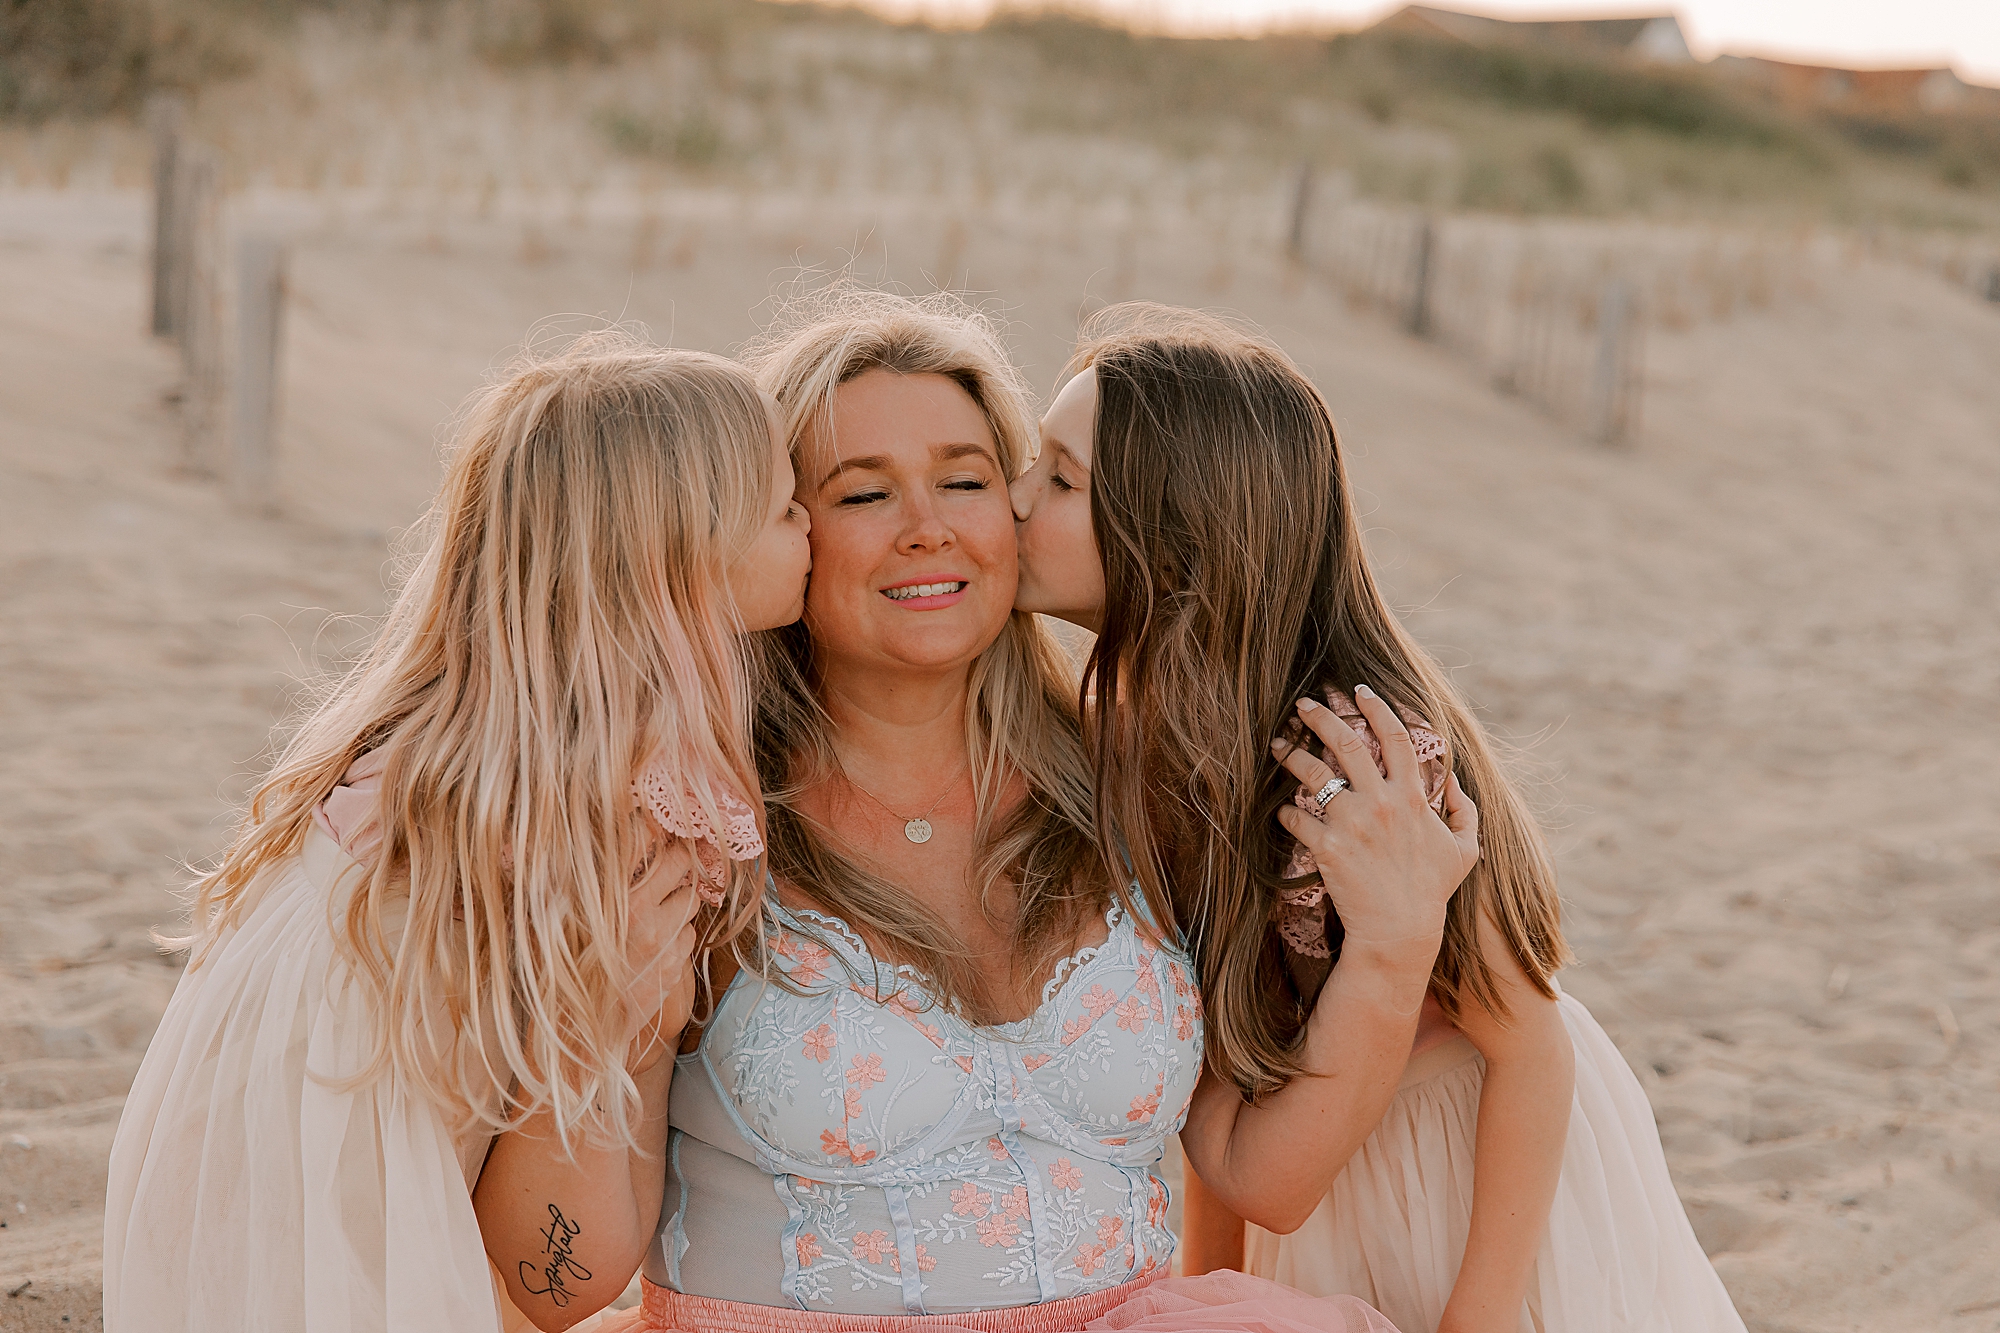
<point x="917" y="828"/>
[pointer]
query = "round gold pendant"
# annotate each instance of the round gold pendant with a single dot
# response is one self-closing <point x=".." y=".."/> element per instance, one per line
<point x="917" y="830"/>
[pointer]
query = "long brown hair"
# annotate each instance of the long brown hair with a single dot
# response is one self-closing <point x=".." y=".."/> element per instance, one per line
<point x="1236" y="583"/>
<point x="562" y="626"/>
<point x="1021" y="721"/>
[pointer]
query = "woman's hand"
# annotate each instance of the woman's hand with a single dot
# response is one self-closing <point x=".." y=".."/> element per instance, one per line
<point x="1388" y="862"/>
<point x="659" y="950"/>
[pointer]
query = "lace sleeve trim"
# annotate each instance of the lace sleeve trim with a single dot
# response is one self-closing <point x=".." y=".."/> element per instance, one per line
<point x="674" y="805"/>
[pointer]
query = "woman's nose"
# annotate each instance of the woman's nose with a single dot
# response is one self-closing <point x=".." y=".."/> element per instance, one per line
<point x="927" y="530"/>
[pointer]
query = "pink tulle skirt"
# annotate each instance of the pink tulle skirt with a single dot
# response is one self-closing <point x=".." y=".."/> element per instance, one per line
<point x="1221" y="1302"/>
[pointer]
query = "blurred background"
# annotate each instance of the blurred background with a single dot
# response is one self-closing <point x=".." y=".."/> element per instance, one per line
<point x="1666" y="351"/>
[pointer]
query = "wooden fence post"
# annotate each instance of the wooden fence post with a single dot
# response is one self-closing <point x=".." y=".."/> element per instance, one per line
<point x="1295" y="242"/>
<point x="1417" y="317"/>
<point x="198" y="208"/>
<point x="1610" y="405"/>
<point x="166" y="114"/>
<point x="260" y="295"/>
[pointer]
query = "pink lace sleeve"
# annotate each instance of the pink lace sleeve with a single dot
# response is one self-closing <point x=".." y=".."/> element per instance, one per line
<point x="1300" y="913"/>
<point x="674" y="806"/>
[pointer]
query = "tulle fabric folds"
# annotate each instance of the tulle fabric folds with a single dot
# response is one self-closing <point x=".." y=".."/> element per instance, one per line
<point x="1223" y="1302"/>
<point x="1618" y="1257"/>
<point x="247" y="1191"/>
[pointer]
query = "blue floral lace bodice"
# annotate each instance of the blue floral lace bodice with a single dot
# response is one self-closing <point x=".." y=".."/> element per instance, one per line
<point x="837" y="1151"/>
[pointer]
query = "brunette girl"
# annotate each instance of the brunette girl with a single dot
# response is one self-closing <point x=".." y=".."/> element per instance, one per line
<point x="462" y="903"/>
<point x="1191" y="507"/>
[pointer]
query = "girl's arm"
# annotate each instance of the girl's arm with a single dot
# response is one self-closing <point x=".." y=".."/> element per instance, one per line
<point x="1273" y="1162"/>
<point x="567" y="1229"/>
<point x="1390" y="866"/>
<point x="1211" y="1235"/>
<point x="1524" y="1108"/>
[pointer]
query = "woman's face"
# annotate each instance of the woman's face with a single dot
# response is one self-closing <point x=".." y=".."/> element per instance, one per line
<point x="1061" y="572"/>
<point x="912" y="539"/>
<point x="768" y="579"/>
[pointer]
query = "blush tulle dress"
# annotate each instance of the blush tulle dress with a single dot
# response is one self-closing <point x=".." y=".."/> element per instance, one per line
<point x="252" y="1186"/>
<point x="1618" y="1255"/>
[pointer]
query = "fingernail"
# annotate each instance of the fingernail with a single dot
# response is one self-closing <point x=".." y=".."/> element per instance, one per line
<point x="1307" y="705"/>
<point x="1364" y="691"/>
<point x="1277" y="747"/>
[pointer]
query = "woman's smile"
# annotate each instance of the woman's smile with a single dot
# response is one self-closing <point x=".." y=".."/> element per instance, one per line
<point x="928" y="593"/>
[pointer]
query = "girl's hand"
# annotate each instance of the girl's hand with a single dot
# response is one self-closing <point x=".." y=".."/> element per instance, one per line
<point x="659" y="950"/>
<point x="1388" y="862"/>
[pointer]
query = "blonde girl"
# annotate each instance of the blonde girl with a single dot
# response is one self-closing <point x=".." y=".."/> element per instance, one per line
<point x="1190" y="506"/>
<point x="454" y="926"/>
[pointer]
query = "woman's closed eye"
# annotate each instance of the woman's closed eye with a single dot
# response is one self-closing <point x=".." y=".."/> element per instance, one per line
<point x="968" y="484"/>
<point x="869" y="496"/>
<point x="1062" y="483"/>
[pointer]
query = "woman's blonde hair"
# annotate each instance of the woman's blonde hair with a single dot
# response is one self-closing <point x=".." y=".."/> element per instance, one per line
<point x="1236" y="583"/>
<point x="566" y="623"/>
<point x="1022" y="720"/>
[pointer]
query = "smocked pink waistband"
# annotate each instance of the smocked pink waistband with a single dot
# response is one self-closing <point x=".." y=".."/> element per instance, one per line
<point x="664" y="1310"/>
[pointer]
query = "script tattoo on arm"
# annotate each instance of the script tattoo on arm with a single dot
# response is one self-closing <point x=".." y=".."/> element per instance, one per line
<point x="556" y="1268"/>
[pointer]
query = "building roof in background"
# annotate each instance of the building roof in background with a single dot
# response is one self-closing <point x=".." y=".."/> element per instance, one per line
<point x="1646" y="36"/>
<point x="1658" y="37"/>
<point x="1868" y="90"/>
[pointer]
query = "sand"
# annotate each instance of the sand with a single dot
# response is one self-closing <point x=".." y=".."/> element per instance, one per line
<point x="1751" y="658"/>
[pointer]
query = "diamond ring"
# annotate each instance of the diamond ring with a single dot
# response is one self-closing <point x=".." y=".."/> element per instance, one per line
<point x="1334" y="787"/>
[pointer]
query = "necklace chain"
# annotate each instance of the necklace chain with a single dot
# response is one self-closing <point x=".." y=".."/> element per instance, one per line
<point x="917" y="828"/>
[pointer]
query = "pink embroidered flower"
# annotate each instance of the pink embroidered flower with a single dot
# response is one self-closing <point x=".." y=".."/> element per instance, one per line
<point x="1148" y="983"/>
<point x="1065" y="1176"/>
<point x="866" y="1071"/>
<point x="819" y="1044"/>
<point x="925" y="1263"/>
<point x="851" y="1104"/>
<point x="998" y="1229"/>
<point x="1098" y="1002"/>
<point x="1074" y="1029"/>
<point x="1114" y="1143"/>
<point x="1109" y="1230"/>
<point x="810" y="967"/>
<point x="1033" y="1062"/>
<point x="968" y="1201"/>
<point x="1089" y="1258"/>
<point x="996" y="1150"/>
<point x="833" y="1142"/>
<point x="1183" y="1023"/>
<point x="873" y="1245"/>
<point x="1132" y="1014"/>
<point x="1146" y="1107"/>
<point x="808" y="1249"/>
<point x="1017" y="1204"/>
<point x="1156" y="1205"/>
<point x="860" y="1156"/>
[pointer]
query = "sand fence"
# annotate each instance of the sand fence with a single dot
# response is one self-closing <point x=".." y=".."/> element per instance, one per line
<point x="226" y="317"/>
<point x="1554" y="311"/>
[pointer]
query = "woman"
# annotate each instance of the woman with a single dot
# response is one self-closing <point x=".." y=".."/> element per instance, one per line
<point x="945" y="1099"/>
<point x="1517" y="1179"/>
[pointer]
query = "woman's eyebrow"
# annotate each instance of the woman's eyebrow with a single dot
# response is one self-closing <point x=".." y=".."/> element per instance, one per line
<point x="871" y="463"/>
<point x="944" y="453"/>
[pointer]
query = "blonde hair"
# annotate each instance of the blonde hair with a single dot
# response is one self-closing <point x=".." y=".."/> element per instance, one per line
<point x="1022" y="718"/>
<point x="566" y="623"/>
<point x="1236" y="582"/>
